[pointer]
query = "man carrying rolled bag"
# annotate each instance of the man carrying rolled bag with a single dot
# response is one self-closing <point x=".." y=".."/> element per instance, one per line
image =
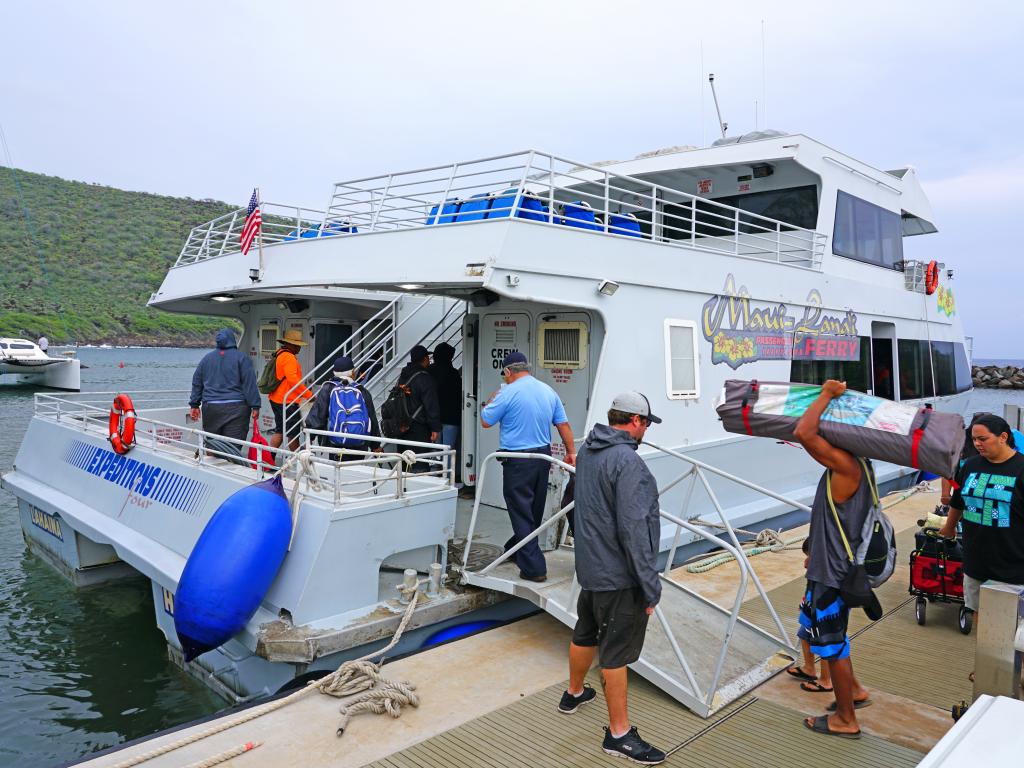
<point x="824" y="615"/>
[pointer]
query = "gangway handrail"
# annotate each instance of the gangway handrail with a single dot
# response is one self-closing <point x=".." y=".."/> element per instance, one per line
<point x="698" y="468"/>
<point x="746" y="572"/>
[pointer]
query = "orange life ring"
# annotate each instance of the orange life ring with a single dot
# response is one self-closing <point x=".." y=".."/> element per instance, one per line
<point x="931" y="277"/>
<point x="122" y="424"/>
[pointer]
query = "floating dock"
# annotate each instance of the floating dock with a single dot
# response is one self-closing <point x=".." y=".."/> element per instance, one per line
<point x="490" y="699"/>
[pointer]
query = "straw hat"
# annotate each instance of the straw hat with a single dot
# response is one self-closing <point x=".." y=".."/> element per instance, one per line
<point x="293" y="336"/>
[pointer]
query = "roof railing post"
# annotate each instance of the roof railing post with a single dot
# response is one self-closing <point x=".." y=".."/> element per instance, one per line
<point x="383" y="198"/>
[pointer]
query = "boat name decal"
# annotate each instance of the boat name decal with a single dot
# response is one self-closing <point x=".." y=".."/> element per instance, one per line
<point x="946" y="302"/>
<point x="47" y="522"/>
<point x="742" y="331"/>
<point x="143" y="481"/>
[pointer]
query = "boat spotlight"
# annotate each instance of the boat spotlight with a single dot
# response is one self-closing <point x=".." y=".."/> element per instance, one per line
<point x="411" y="286"/>
<point x="254" y="275"/>
<point x="607" y="287"/>
<point x="221" y="297"/>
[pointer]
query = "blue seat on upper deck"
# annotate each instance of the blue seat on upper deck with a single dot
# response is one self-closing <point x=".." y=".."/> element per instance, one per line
<point x="624" y="224"/>
<point x="448" y="212"/>
<point x="475" y="208"/>
<point x="579" y="214"/>
<point x="339" y="228"/>
<point x="530" y="208"/>
<point x="311" y="232"/>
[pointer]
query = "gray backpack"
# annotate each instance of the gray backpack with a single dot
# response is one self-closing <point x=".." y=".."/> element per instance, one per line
<point x="877" y="551"/>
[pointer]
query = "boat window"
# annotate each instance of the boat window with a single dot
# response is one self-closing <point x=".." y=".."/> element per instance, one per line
<point x="797" y="206"/>
<point x="856" y="373"/>
<point x="952" y="373"/>
<point x="866" y="232"/>
<point x="3" y="345"/>
<point x="23" y="346"/>
<point x="915" y="369"/>
<point x="681" y="374"/>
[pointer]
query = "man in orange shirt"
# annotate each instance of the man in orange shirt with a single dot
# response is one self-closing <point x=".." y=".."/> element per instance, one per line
<point x="289" y="372"/>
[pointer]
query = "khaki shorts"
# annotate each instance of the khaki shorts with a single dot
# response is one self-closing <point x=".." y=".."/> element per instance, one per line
<point x="972" y="592"/>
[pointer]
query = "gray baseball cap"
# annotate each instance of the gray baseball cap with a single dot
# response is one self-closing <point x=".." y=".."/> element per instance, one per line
<point x="635" y="402"/>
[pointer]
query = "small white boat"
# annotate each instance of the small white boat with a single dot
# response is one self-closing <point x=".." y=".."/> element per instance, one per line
<point x="23" y="362"/>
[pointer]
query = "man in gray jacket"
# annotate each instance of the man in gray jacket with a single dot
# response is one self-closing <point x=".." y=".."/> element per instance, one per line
<point x="617" y="530"/>
<point x="224" y="384"/>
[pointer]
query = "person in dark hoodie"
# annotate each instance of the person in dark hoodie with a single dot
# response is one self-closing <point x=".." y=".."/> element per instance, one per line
<point x="426" y="422"/>
<point x="617" y="530"/>
<point x="224" y="385"/>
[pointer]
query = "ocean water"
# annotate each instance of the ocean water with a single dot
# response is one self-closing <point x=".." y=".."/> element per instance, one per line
<point x="82" y="670"/>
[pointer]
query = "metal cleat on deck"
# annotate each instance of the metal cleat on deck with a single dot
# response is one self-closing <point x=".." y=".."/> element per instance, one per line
<point x="703" y="655"/>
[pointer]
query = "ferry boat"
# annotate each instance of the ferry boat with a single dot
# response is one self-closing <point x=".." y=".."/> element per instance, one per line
<point x="24" y="362"/>
<point x="768" y="256"/>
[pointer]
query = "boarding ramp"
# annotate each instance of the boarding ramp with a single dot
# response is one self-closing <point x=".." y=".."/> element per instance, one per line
<point x="703" y="655"/>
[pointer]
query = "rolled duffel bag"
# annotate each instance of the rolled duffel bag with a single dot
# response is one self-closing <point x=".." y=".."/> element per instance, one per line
<point x="866" y="426"/>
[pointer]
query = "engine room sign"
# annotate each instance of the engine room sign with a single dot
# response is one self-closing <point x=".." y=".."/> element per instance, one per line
<point x="744" y="331"/>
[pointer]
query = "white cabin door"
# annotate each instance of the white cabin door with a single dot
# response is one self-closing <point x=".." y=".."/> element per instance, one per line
<point x="470" y="410"/>
<point x="499" y="334"/>
<point x="561" y="359"/>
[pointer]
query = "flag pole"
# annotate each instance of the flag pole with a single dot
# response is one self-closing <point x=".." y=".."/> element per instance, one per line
<point x="259" y="243"/>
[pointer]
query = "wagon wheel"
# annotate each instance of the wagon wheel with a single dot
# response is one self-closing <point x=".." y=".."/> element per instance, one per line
<point x="966" y="620"/>
<point x="919" y="610"/>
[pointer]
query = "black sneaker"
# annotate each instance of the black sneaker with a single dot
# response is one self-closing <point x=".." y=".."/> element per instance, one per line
<point x="632" y="747"/>
<point x="570" y="703"/>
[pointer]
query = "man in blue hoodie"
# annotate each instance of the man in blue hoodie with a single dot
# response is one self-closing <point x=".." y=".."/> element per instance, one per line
<point x="224" y="384"/>
<point x="617" y="532"/>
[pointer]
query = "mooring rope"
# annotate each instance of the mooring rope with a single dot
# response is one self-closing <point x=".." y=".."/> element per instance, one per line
<point x="222" y="757"/>
<point x="375" y="693"/>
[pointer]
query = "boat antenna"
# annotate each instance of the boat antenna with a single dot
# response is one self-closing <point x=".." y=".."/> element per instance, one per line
<point x="723" y="125"/>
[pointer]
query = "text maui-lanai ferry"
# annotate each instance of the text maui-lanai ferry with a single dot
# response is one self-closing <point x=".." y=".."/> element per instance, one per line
<point x="768" y="256"/>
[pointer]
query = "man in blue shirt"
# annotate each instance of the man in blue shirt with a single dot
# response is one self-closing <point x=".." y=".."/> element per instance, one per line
<point x="526" y="409"/>
<point x="224" y="384"/>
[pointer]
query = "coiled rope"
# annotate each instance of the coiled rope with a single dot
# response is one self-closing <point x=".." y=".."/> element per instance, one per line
<point x="768" y="540"/>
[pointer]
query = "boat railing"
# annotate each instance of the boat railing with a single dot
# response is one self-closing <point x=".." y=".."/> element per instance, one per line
<point x="698" y="529"/>
<point x="540" y="187"/>
<point x="316" y="468"/>
<point x="529" y="186"/>
<point x="281" y="224"/>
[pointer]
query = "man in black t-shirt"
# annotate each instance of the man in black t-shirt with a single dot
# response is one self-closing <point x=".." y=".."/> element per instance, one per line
<point x="990" y="502"/>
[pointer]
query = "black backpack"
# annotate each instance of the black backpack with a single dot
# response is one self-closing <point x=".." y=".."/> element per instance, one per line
<point x="400" y="409"/>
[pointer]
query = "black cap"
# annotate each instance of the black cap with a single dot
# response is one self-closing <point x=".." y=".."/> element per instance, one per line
<point x="417" y="353"/>
<point x="512" y="358"/>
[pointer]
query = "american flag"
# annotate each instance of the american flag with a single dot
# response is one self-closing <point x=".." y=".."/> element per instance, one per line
<point x="253" y="222"/>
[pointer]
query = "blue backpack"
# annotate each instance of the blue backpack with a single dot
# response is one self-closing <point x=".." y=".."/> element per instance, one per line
<point x="348" y="413"/>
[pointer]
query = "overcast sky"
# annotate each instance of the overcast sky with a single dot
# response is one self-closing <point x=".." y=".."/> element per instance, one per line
<point x="208" y="99"/>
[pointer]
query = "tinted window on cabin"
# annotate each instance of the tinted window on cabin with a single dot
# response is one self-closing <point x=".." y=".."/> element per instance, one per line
<point x="797" y="206"/>
<point x="856" y="373"/>
<point x="915" y="369"/>
<point x="866" y="232"/>
<point x="962" y="368"/>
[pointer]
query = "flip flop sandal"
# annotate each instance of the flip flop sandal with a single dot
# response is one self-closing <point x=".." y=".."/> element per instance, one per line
<point x="820" y="725"/>
<point x="815" y="687"/>
<point x="856" y="705"/>
<point x="799" y="674"/>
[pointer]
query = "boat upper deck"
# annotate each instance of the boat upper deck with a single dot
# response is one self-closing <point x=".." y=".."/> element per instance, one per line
<point x="529" y="186"/>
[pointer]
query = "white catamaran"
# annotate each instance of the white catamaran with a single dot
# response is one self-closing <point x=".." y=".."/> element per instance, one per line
<point x="768" y="256"/>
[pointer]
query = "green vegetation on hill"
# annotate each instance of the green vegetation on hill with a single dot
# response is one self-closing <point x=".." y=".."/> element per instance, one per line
<point x="101" y="253"/>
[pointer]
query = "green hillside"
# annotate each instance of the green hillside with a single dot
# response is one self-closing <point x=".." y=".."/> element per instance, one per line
<point x="103" y="252"/>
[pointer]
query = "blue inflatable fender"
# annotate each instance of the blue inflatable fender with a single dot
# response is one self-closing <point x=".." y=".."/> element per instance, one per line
<point x="232" y="566"/>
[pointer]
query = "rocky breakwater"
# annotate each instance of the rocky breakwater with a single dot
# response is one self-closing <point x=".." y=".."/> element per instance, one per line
<point x="998" y="376"/>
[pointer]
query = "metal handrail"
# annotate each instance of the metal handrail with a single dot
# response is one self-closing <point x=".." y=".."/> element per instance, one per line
<point x="92" y="419"/>
<point x="733" y="547"/>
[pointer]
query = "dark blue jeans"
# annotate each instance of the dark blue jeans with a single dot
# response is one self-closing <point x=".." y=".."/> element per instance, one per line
<point x="525" y="487"/>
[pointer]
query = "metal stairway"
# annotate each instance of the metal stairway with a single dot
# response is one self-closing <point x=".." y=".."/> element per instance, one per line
<point x="703" y="655"/>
